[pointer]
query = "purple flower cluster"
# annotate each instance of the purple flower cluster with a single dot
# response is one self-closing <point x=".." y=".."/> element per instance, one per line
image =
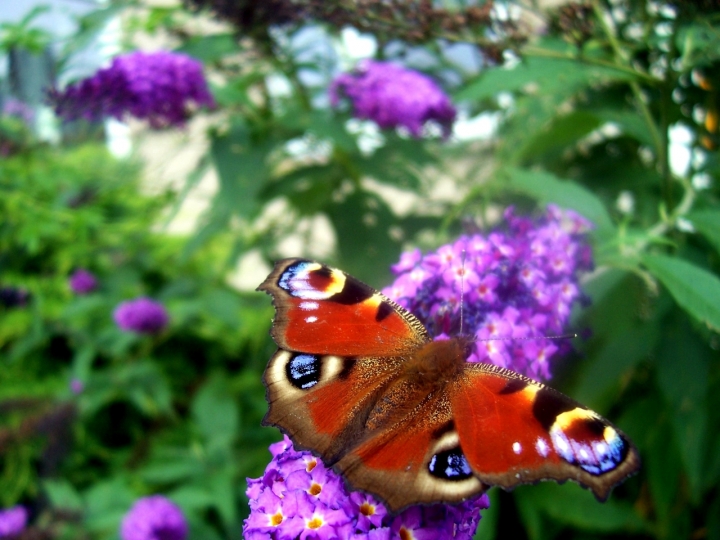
<point x="158" y="87"/>
<point x="12" y="522"/>
<point x="393" y="96"/>
<point x="299" y="498"/>
<point x="520" y="283"/>
<point x="154" y="518"/>
<point x="82" y="281"/>
<point x="141" y="315"/>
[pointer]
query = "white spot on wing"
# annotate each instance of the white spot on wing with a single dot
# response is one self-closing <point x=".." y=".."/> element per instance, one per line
<point x="517" y="447"/>
<point x="310" y="319"/>
<point x="309" y="306"/>
<point x="542" y="447"/>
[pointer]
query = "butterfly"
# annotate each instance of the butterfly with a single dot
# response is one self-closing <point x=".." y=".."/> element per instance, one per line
<point x="358" y="381"/>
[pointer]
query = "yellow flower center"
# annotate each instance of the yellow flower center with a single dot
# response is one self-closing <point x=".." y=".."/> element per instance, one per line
<point x="315" y="523"/>
<point x="315" y="489"/>
<point x="276" y="519"/>
<point x="367" y="509"/>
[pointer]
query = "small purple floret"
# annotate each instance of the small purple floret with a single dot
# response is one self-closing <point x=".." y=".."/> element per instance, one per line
<point x="299" y="497"/>
<point x="12" y="522"/>
<point x="517" y="283"/>
<point x="160" y="87"/>
<point x="394" y="96"/>
<point x="154" y="518"/>
<point x="141" y="315"/>
<point x="82" y="281"/>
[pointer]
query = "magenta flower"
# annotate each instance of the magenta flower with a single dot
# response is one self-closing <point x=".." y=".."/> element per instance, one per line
<point x="82" y="281"/>
<point x="141" y="315"/>
<point x="160" y="87"/>
<point x="12" y="522"/>
<point x="393" y="96"/>
<point x="299" y="497"/>
<point x="516" y="283"/>
<point x="77" y="386"/>
<point x="154" y="518"/>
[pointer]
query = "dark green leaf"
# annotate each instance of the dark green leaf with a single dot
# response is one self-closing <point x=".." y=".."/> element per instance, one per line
<point x="682" y="370"/>
<point x="707" y="223"/>
<point x="215" y="411"/>
<point x="573" y="505"/>
<point x="563" y="131"/>
<point x="547" y="188"/>
<point x="696" y="290"/>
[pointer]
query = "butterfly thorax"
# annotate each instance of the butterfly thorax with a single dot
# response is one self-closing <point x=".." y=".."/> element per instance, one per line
<point x="436" y="362"/>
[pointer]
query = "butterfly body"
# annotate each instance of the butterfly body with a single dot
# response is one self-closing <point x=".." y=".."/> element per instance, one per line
<point x="358" y="381"/>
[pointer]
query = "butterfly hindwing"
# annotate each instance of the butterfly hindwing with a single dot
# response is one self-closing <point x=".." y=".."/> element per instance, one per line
<point x="322" y="310"/>
<point x="514" y="430"/>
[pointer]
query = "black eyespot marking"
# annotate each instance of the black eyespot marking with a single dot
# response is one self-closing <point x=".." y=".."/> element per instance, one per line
<point x="303" y="371"/>
<point x="353" y="292"/>
<point x="548" y="405"/>
<point x="323" y="272"/>
<point x="513" y="385"/>
<point x="384" y="309"/>
<point x="450" y="465"/>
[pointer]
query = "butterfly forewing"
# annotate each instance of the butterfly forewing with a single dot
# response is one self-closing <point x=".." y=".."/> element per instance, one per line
<point x="324" y="311"/>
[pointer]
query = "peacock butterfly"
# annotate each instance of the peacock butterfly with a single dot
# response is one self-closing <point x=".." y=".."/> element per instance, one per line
<point x="357" y="380"/>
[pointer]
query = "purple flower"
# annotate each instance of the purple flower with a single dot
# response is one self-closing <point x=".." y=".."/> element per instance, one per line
<point x="393" y="96"/>
<point x="18" y="109"/>
<point x="154" y="518"/>
<point x="12" y="522"/>
<point x="517" y="283"/>
<point x="82" y="281"/>
<point x="159" y="87"/>
<point x="299" y="497"/>
<point x="141" y="315"/>
<point x="77" y="386"/>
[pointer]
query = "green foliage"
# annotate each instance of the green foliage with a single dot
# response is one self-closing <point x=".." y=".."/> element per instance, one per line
<point x="174" y="411"/>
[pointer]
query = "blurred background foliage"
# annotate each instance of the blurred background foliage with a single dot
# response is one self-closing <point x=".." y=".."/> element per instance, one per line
<point x="605" y="107"/>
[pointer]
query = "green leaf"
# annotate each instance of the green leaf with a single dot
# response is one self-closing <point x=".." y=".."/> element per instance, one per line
<point x="210" y="48"/>
<point x="62" y="495"/>
<point x="362" y="223"/>
<point x="572" y="505"/>
<point x="563" y="131"/>
<point x="215" y="411"/>
<point x="707" y="222"/>
<point x="608" y="365"/>
<point x="548" y="188"/>
<point x="683" y="366"/>
<point x="696" y="290"/>
<point x="545" y="74"/>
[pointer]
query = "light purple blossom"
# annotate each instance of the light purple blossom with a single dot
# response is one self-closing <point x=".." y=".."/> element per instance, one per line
<point x="159" y="87"/>
<point x="393" y="96"/>
<point x="298" y="497"/>
<point x="12" y="521"/>
<point x="82" y="281"/>
<point x="18" y="109"/>
<point x="520" y="282"/>
<point x="154" y="518"/>
<point x="77" y="386"/>
<point x="141" y="315"/>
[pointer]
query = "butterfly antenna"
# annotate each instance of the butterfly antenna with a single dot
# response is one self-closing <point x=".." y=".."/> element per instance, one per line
<point x="462" y="290"/>
<point x="527" y="338"/>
